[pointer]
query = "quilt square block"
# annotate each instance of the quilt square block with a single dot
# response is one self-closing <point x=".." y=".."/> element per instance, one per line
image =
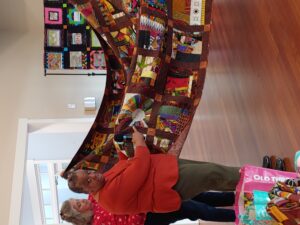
<point x="179" y="82"/>
<point x="53" y="15"/>
<point x="146" y="70"/>
<point x="97" y="59"/>
<point x="76" y="38"/>
<point x="124" y="41"/>
<point x="152" y="30"/>
<point x="54" y="38"/>
<point x="171" y="118"/>
<point x="74" y="17"/>
<point x="54" y="60"/>
<point x="78" y="60"/>
<point x="186" y="47"/>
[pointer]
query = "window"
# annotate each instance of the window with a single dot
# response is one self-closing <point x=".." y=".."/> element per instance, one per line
<point x="51" y="188"/>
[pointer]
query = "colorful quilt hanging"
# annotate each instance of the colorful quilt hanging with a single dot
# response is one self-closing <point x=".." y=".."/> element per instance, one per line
<point x="156" y="55"/>
<point x="71" y="45"/>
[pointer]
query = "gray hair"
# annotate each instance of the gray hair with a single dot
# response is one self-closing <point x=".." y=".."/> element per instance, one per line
<point x="69" y="214"/>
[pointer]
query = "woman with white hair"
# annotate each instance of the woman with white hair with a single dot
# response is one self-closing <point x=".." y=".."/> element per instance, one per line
<point x="203" y="206"/>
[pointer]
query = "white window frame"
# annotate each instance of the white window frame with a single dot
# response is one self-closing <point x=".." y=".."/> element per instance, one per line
<point x="33" y="187"/>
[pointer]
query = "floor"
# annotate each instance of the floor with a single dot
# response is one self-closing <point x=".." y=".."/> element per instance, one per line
<point x="250" y="105"/>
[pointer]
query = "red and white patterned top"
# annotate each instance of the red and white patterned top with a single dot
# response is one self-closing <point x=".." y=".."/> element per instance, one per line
<point x="102" y="217"/>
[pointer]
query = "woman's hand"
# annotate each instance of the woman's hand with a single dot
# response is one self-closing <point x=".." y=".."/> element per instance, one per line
<point x="138" y="138"/>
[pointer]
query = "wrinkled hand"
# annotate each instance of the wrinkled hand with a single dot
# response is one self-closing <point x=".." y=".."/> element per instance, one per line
<point x="138" y="138"/>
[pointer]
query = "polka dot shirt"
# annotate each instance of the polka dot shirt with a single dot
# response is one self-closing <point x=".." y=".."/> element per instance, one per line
<point x="102" y="217"/>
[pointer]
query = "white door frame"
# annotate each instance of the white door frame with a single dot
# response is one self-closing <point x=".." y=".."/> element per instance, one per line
<point x="26" y="126"/>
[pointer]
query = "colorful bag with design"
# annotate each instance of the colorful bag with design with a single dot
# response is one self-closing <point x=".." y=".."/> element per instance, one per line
<point x="252" y="194"/>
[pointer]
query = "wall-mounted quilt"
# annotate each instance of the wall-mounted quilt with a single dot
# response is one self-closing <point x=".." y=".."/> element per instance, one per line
<point x="156" y="55"/>
<point x="71" y="46"/>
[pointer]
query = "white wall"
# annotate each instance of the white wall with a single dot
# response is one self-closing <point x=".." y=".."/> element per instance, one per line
<point x="27" y="212"/>
<point x="24" y="91"/>
<point x="21" y="15"/>
<point x="56" y="145"/>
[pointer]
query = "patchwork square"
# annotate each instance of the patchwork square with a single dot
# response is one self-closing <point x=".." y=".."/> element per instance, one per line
<point x="186" y="47"/>
<point x="54" y="38"/>
<point x="179" y="86"/>
<point x="124" y="41"/>
<point x="74" y="17"/>
<point x="170" y="118"/>
<point x="97" y="59"/>
<point x="77" y="60"/>
<point x="146" y="70"/>
<point x="179" y="82"/>
<point x="54" y="60"/>
<point x="152" y="31"/>
<point x="76" y="38"/>
<point x="53" y="15"/>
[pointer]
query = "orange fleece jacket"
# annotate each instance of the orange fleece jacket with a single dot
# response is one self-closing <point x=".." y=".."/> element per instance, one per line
<point x="141" y="184"/>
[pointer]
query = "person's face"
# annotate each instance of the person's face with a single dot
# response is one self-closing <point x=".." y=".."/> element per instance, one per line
<point x="81" y="205"/>
<point x="89" y="180"/>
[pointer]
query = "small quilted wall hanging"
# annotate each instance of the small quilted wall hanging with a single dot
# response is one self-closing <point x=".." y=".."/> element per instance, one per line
<point x="156" y="55"/>
<point x="71" y="45"/>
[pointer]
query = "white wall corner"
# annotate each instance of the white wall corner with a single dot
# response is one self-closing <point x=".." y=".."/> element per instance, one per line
<point x="18" y="173"/>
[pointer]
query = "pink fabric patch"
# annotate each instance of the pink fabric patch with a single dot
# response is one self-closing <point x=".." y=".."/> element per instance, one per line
<point x="53" y="15"/>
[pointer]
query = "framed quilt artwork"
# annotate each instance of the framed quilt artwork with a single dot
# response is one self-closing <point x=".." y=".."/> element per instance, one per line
<point x="71" y="46"/>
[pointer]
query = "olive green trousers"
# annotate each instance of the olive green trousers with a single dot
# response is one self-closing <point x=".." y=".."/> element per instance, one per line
<point x="196" y="177"/>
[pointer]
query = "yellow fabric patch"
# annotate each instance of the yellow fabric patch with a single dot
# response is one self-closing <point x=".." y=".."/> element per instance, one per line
<point x="279" y="215"/>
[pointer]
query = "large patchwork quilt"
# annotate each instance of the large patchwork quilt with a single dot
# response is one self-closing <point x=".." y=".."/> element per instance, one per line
<point x="156" y="57"/>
